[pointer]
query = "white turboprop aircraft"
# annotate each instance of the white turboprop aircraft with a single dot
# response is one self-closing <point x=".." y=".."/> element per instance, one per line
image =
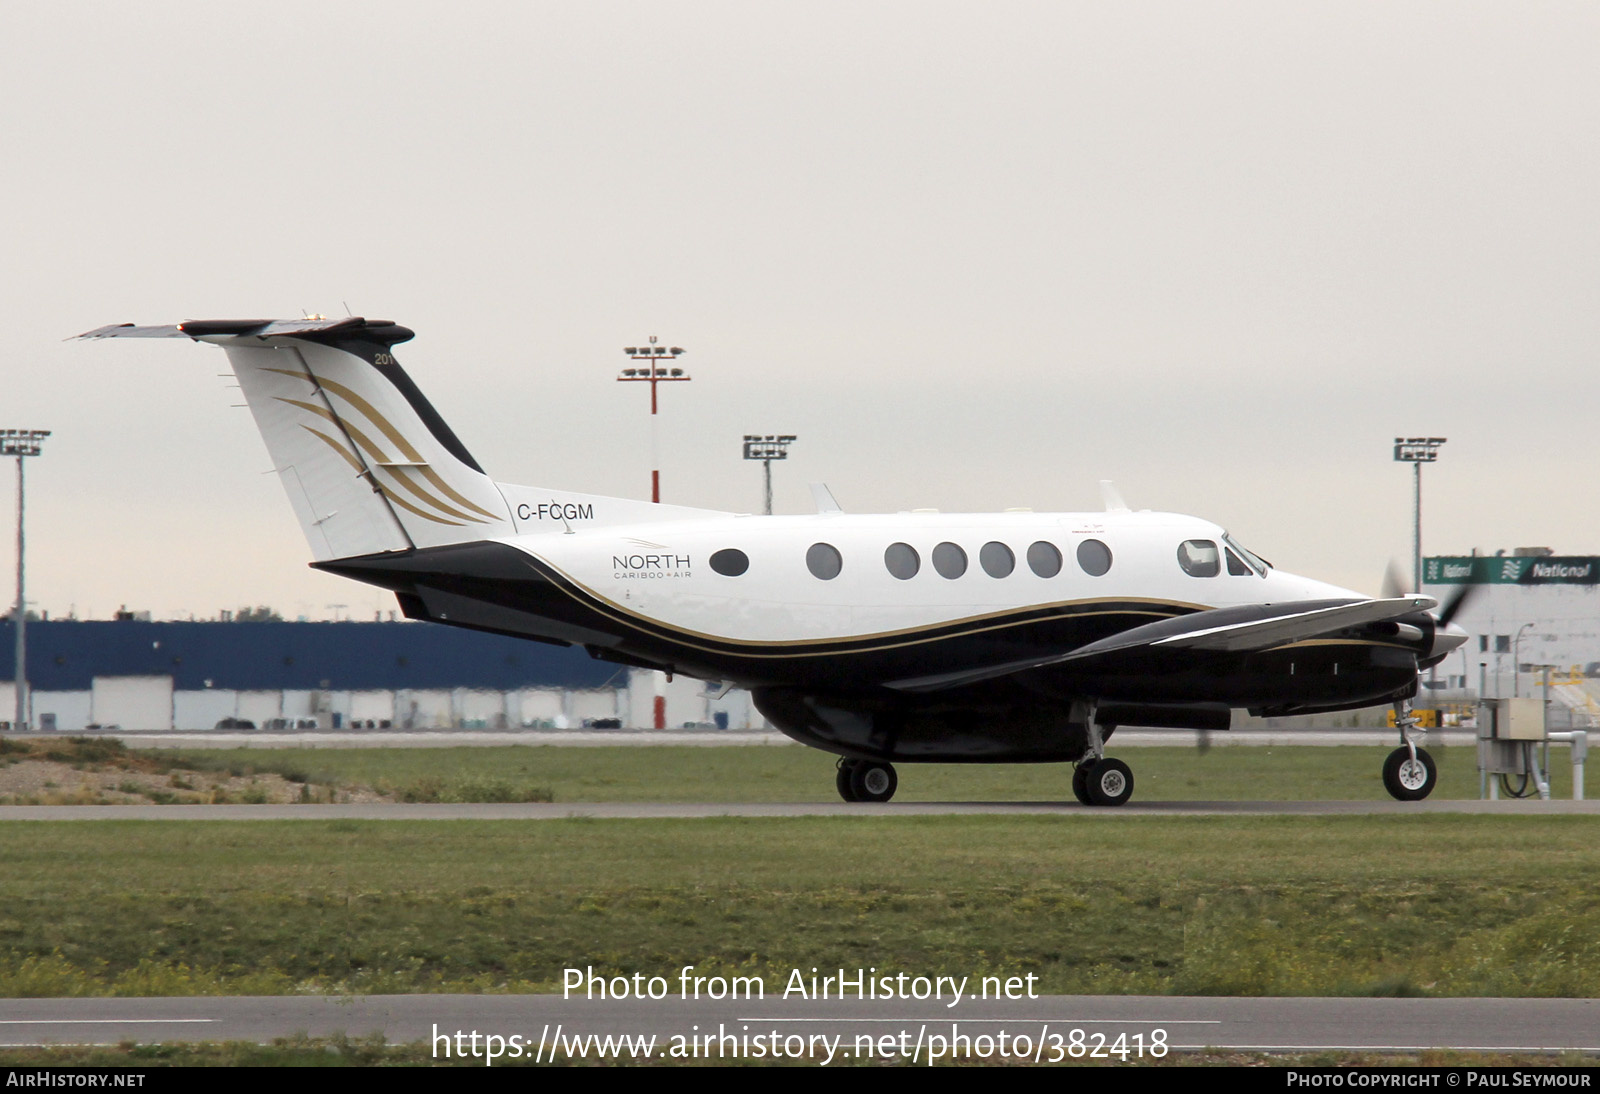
<point x="916" y="637"/>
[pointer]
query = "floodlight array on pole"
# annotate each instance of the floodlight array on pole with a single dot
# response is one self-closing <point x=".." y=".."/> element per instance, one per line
<point x="654" y="364"/>
<point x="21" y="443"/>
<point x="1417" y="451"/>
<point x="766" y="449"/>
<point x="659" y="362"/>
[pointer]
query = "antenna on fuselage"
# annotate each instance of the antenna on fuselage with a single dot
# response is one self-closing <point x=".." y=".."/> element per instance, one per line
<point x="824" y="498"/>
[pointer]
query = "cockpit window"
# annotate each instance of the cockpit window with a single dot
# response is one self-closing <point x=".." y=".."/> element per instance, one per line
<point x="1199" y="558"/>
<point x="1236" y="566"/>
<point x="1254" y="561"/>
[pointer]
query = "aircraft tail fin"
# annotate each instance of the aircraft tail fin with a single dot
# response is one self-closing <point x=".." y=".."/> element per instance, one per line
<point x="368" y="464"/>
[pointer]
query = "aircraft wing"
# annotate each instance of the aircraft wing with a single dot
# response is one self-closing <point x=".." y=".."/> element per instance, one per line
<point x="1224" y="629"/>
<point x="1227" y="630"/>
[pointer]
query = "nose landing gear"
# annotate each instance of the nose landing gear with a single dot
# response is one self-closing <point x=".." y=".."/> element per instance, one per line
<point x="1409" y="774"/>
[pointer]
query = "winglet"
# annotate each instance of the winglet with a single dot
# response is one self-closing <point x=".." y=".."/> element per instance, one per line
<point x="1113" y="500"/>
<point x="824" y="498"/>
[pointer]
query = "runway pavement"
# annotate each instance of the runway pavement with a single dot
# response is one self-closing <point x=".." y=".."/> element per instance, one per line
<point x="533" y="811"/>
<point x="1052" y="1024"/>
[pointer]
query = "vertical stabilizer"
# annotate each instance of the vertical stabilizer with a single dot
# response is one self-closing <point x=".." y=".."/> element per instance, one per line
<point x="368" y="464"/>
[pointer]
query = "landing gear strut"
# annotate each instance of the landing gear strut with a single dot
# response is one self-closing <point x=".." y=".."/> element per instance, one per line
<point x="1098" y="779"/>
<point x="1408" y="774"/>
<point x="866" y="781"/>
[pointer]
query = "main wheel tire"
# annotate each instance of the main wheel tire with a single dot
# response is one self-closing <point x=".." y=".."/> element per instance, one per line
<point x="873" y="782"/>
<point x="1110" y="782"/>
<point x="1080" y="782"/>
<point x="842" y="780"/>
<point x="1409" y="780"/>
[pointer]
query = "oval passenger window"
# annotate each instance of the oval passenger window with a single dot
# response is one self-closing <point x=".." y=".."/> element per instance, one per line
<point x="1044" y="559"/>
<point x="997" y="559"/>
<point x="949" y="560"/>
<point x="823" y="560"/>
<point x="730" y="562"/>
<point x="1094" y="557"/>
<point x="902" y="560"/>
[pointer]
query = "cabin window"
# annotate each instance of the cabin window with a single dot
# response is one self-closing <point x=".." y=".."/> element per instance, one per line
<point x="1199" y="558"/>
<point x="824" y="562"/>
<point x="1236" y="565"/>
<point x="1094" y="557"/>
<point x="902" y="560"/>
<point x="1044" y="559"/>
<point x="730" y="562"/>
<point x="949" y="560"/>
<point x="997" y="559"/>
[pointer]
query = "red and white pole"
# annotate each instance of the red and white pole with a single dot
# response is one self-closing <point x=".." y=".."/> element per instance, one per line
<point x="658" y="369"/>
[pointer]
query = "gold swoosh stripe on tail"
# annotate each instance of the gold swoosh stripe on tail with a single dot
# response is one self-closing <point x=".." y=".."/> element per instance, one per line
<point x="384" y="490"/>
<point x="394" y="435"/>
<point x="349" y="456"/>
<point x="367" y="445"/>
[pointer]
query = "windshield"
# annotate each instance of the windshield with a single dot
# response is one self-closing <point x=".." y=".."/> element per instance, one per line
<point x="1255" y="562"/>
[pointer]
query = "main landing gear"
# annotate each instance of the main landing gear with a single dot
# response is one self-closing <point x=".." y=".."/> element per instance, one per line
<point x="1408" y="773"/>
<point x="1098" y="779"/>
<point x="866" y="780"/>
<point x="1105" y="781"/>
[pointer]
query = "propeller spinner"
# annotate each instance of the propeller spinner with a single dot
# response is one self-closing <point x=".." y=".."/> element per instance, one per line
<point x="1447" y="637"/>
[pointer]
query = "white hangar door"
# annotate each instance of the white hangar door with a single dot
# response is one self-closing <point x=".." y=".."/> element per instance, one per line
<point x="132" y="702"/>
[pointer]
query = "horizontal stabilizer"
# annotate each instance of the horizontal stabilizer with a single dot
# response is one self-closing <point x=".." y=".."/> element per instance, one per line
<point x="220" y="329"/>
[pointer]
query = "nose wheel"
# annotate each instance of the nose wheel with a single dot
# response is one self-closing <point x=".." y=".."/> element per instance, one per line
<point x="1409" y="774"/>
<point x="1409" y="778"/>
<point x="866" y="781"/>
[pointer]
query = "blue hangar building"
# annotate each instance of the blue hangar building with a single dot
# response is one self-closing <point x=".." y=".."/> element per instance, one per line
<point x="185" y="675"/>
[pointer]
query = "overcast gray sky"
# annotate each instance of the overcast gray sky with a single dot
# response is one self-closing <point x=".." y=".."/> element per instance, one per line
<point x="975" y="255"/>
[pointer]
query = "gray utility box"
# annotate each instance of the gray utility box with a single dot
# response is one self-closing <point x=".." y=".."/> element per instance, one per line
<point x="1504" y="726"/>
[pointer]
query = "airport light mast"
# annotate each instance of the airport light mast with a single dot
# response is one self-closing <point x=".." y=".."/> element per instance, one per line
<point x="654" y="357"/>
<point x="21" y="443"/>
<point x="766" y="449"/>
<point x="1417" y="451"/>
<point x="658" y="368"/>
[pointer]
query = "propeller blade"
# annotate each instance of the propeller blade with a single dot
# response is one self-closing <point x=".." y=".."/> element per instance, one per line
<point x="1456" y="603"/>
<point x="1395" y="582"/>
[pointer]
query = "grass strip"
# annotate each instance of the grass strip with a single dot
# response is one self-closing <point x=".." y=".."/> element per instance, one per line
<point x="1425" y="905"/>
<point x="791" y="773"/>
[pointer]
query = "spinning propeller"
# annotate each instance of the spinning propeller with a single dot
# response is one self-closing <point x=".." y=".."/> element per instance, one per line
<point x="1446" y="635"/>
